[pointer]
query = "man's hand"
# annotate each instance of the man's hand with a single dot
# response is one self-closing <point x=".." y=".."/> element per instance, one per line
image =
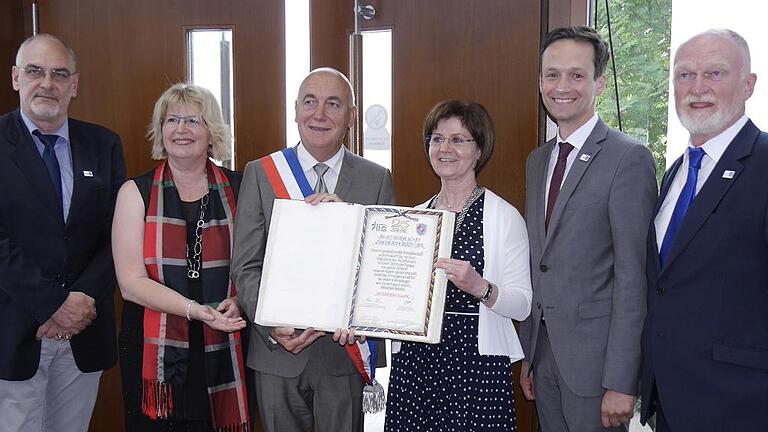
<point x="294" y="341"/>
<point x="346" y="337"/>
<point x="76" y="313"/>
<point x="526" y="381"/>
<point x="318" y="198"/>
<point x="229" y="307"/>
<point x="617" y="408"/>
<point x="50" y="330"/>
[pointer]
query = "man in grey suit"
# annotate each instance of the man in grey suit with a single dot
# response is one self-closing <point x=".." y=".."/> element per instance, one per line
<point x="304" y="381"/>
<point x="589" y="197"/>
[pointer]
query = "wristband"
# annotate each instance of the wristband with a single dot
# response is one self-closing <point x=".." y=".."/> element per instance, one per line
<point x="189" y="305"/>
<point x="487" y="294"/>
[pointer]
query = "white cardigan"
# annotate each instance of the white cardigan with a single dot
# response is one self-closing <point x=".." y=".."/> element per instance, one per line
<point x="507" y="265"/>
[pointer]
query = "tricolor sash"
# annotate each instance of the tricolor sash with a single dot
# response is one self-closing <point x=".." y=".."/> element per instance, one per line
<point x="288" y="181"/>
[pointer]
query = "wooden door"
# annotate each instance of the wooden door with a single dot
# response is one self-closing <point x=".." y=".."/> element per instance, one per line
<point x="11" y="35"/>
<point x="482" y="50"/>
<point x="130" y="51"/>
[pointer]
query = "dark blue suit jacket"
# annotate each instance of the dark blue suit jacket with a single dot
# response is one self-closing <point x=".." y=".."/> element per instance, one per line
<point x="705" y="338"/>
<point x="42" y="259"/>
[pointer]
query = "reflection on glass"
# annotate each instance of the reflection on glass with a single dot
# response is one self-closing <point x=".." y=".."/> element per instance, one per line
<point x="209" y="55"/>
<point x="296" y="61"/>
<point x="377" y="96"/>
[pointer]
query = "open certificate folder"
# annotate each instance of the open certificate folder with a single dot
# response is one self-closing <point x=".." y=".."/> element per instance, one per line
<point x="369" y="268"/>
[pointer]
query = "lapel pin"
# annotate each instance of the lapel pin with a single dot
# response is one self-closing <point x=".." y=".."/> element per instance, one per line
<point x="728" y="174"/>
<point x="87" y="173"/>
<point x="585" y="157"/>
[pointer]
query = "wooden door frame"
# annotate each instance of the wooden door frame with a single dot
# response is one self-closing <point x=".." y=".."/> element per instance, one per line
<point x="11" y="36"/>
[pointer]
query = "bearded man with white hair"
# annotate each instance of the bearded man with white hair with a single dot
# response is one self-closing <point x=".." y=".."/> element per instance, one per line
<point x="705" y="338"/>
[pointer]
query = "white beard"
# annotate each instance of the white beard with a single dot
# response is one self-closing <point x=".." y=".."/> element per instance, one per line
<point x="707" y="124"/>
<point x="45" y="110"/>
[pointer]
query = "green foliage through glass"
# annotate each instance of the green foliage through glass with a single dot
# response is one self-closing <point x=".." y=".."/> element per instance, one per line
<point x="641" y="39"/>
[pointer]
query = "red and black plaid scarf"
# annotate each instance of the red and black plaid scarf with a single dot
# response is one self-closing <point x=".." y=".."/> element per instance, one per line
<point x="166" y="337"/>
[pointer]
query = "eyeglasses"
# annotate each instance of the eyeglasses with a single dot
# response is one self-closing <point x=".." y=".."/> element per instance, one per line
<point x="192" y="122"/>
<point x="454" y="140"/>
<point x="35" y="73"/>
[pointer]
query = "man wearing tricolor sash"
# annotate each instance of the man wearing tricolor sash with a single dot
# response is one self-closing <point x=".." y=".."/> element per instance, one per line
<point x="306" y="381"/>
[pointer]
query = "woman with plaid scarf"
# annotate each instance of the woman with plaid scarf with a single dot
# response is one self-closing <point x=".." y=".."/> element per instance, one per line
<point x="180" y="346"/>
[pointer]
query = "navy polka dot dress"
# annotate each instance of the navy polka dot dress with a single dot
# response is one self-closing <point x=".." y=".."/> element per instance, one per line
<point x="449" y="386"/>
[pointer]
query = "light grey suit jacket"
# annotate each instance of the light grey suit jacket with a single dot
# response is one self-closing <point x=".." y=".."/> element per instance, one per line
<point x="360" y="181"/>
<point x="588" y="270"/>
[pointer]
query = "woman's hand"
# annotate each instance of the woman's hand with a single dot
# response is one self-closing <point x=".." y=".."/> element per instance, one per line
<point x="346" y="337"/>
<point x="215" y="319"/>
<point x="318" y="198"/>
<point x="464" y="276"/>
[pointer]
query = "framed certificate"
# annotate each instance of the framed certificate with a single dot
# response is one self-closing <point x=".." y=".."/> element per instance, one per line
<point x="369" y="268"/>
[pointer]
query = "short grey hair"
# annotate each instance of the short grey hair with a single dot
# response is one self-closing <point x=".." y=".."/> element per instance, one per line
<point x="48" y="36"/>
<point x="336" y="72"/>
<point x="733" y="37"/>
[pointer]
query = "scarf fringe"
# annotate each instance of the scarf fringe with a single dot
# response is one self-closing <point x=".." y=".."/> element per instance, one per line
<point x="157" y="399"/>
<point x="237" y="427"/>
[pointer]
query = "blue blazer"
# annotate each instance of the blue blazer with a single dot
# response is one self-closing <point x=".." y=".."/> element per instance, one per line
<point x="705" y="338"/>
<point x="42" y="258"/>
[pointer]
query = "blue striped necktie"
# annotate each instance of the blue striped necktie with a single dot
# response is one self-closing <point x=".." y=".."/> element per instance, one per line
<point x="684" y="201"/>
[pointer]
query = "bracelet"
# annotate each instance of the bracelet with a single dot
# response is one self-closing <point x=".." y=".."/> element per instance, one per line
<point x="487" y="294"/>
<point x="189" y="305"/>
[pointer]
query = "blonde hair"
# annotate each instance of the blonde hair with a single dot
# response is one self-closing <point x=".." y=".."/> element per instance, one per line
<point x="220" y="146"/>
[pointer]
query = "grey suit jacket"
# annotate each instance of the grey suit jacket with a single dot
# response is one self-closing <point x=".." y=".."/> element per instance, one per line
<point x="360" y="181"/>
<point x="588" y="270"/>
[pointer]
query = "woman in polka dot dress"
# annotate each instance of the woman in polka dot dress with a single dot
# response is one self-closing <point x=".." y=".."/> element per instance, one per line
<point x="465" y="382"/>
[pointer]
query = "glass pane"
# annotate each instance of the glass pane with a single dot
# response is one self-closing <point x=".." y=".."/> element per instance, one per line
<point x="688" y="19"/>
<point x="296" y="61"/>
<point x="210" y="66"/>
<point x="376" y="111"/>
<point x="377" y="96"/>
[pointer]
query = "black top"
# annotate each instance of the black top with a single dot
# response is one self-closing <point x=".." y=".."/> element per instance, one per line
<point x="196" y="404"/>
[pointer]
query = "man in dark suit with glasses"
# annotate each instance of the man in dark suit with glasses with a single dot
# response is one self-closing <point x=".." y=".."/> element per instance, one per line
<point x="58" y="182"/>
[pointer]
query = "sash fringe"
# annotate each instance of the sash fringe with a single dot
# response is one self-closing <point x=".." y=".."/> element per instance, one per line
<point x="373" y="398"/>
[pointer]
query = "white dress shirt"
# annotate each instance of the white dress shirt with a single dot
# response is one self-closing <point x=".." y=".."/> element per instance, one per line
<point x="308" y="162"/>
<point x="713" y="150"/>
<point x="576" y="139"/>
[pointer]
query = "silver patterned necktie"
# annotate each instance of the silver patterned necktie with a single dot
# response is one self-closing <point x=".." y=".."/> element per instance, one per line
<point x="320" y="186"/>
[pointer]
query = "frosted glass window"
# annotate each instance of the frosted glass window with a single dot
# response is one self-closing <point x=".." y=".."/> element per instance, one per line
<point x="209" y="55"/>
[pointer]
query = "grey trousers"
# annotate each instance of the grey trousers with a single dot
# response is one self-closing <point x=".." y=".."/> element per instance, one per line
<point x="559" y="409"/>
<point x="314" y="401"/>
<point x="58" y="398"/>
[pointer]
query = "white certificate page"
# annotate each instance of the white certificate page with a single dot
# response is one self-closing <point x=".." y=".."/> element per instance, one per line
<point x="395" y="289"/>
<point x="308" y="265"/>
